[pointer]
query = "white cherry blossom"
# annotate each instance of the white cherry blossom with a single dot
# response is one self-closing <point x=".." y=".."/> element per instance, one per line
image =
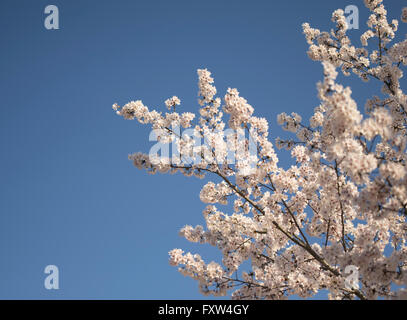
<point x="344" y="202"/>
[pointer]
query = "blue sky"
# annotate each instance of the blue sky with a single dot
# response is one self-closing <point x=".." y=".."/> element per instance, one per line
<point x="69" y="196"/>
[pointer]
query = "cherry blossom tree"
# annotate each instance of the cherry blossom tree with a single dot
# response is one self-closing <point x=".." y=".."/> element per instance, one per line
<point x="343" y="203"/>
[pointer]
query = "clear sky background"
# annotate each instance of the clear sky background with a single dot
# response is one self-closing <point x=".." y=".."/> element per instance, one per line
<point x="68" y="194"/>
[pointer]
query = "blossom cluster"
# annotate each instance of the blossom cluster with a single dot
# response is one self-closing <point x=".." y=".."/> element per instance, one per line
<point x="343" y="202"/>
<point x="172" y="102"/>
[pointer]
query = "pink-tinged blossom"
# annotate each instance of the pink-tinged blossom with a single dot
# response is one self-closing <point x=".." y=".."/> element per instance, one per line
<point x="172" y="102"/>
<point x="344" y="201"/>
<point x="404" y="15"/>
